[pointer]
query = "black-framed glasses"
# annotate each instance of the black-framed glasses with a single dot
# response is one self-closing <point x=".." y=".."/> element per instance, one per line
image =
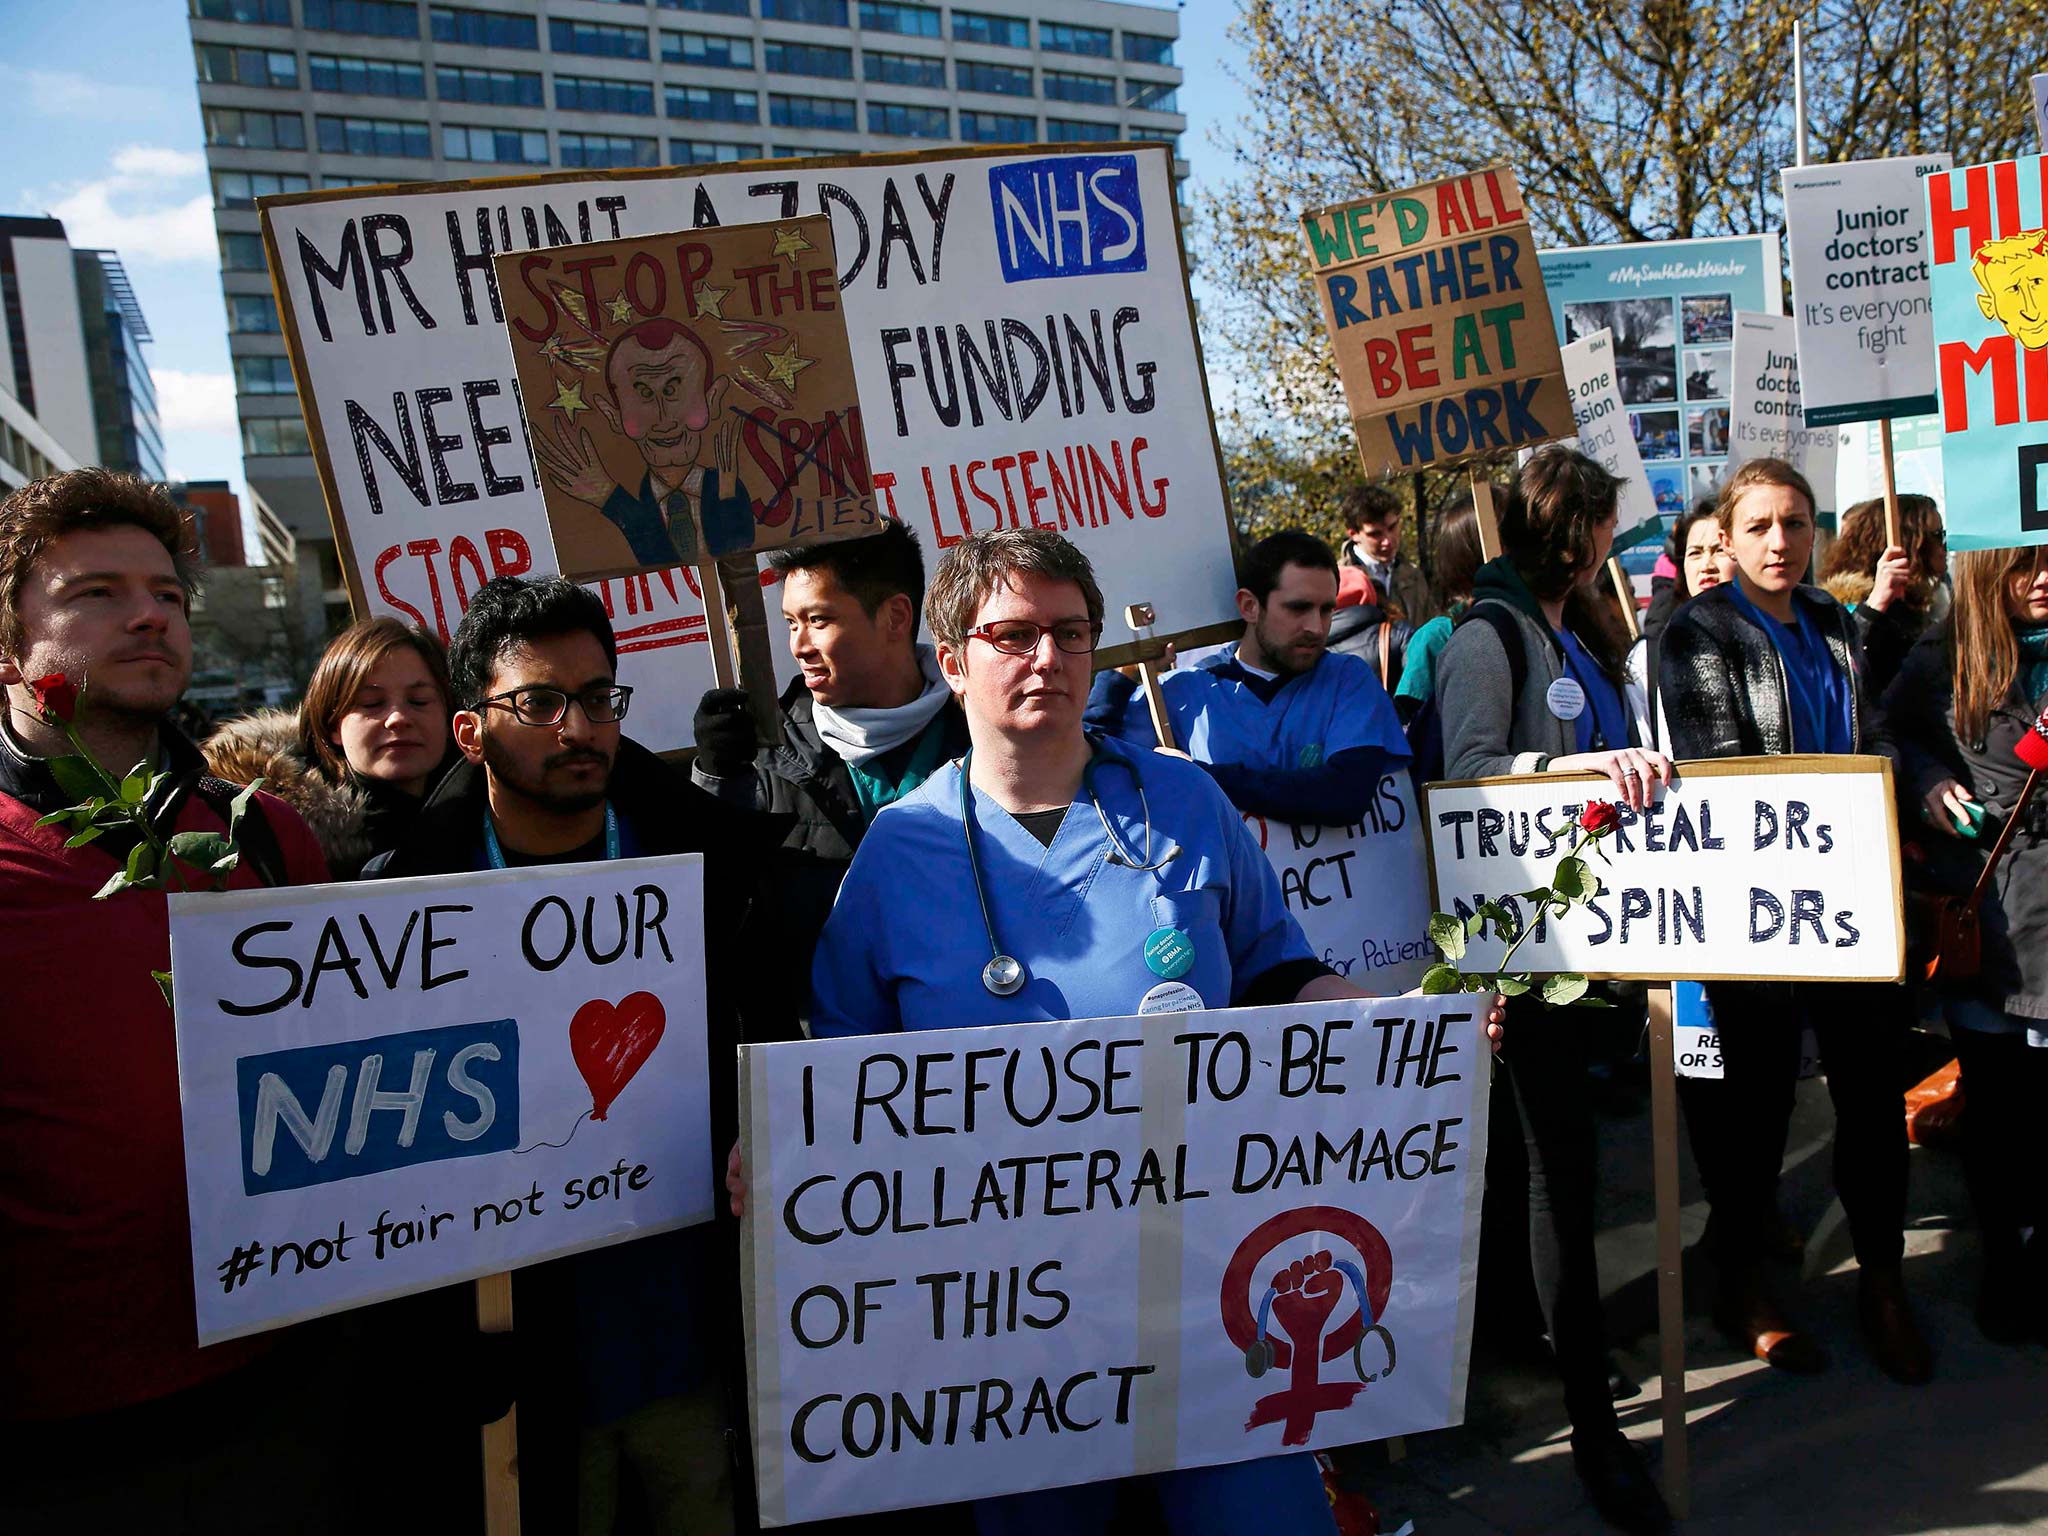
<point x="1020" y="637"/>
<point x="547" y="706"/>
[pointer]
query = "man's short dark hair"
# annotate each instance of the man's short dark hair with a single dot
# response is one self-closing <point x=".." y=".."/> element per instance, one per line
<point x="1364" y="504"/>
<point x="1259" y="570"/>
<point x="44" y="511"/>
<point x="509" y="612"/>
<point x="874" y="569"/>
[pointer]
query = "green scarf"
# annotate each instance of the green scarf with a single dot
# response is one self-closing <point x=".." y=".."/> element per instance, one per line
<point x="875" y="789"/>
<point x="2033" y="679"/>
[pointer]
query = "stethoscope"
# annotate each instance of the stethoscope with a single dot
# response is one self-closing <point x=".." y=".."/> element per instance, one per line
<point x="1005" y="975"/>
<point x="1258" y="1355"/>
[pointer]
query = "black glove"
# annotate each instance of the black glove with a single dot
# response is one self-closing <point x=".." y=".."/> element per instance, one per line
<point x="725" y="732"/>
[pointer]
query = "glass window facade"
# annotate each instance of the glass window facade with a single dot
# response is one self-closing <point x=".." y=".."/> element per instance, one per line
<point x="270" y="13"/>
<point x="497" y="146"/>
<point x="709" y="152"/>
<point x="1097" y="90"/>
<point x="220" y="64"/>
<point x="903" y="19"/>
<point x="1145" y="48"/>
<point x="483" y="29"/>
<point x="264" y="375"/>
<point x="373" y="136"/>
<point x="1153" y="96"/>
<point x="916" y="69"/>
<point x="707" y="50"/>
<point x="605" y="151"/>
<point x="274" y="436"/>
<point x="997" y="128"/>
<point x="807" y="59"/>
<point x="709" y="7"/>
<point x="240" y="189"/>
<point x="366" y="77"/>
<point x="490" y="87"/>
<point x="241" y="253"/>
<point x="253" y="314"/>
<point x="909" y="122"/>
<point x="367" y="18"/>
<point x="1062" y="37"/>
<point x="819" y="13"/>
<point x="993" y="79"/>
<point x="986" y="27"/>
<point x="584" y="93"/>
<point x="811" y="112"/>
<point x="598" y="38"/>
<point x="1065" y="130"/>
<point x="711" y="103"/>
<point x="239" y="128"/>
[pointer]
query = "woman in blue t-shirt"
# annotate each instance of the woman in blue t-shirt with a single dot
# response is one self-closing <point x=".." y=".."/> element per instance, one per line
<point x="1760" y="665"/>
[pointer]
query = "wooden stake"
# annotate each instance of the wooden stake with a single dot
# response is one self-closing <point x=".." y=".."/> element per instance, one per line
<point x="1891" y="485"/>
<point x="1627" y="595"/>
<point x="1670" y="1248"/>
<point x="1141" y="617"/>
<point x="747" y="614"/>
<point x="724" y="672"/>
<point x="501" y="1439"/>
<point x="1482" y="510"/>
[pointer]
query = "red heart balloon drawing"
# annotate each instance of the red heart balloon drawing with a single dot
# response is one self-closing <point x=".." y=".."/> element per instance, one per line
<point x="611" y="1042"/>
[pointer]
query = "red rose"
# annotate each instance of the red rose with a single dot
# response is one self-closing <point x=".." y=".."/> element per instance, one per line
<point x="1600" y="816"/>
<point x="56" y="697"/>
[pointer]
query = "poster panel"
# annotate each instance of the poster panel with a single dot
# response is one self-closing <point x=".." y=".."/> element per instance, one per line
<point x="681" y="387"/>
<point x="1989" y="225"/>
<point x="1440" y="329"/>
<point x="393" y="1085"/>
<point x="1858" y="242"/>
<point x="1765" y="420"/>
<point x="1606" y="435"/>
<point x="1779" y="868"/>
<point x="982" y="1261"/>
<point x="1023" y="346"/>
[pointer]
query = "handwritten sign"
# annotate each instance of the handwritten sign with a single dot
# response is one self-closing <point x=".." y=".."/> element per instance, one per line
<point x="1023" y="348"/>
<point x="1437" y="312"/>
<point x="1989" y="226"/>
<point x="1360" y="891"/>
<point x="391" y="1086"/>
<point x="662" y="376"/>
<point x="1858" y="240"/>
<point x="1605" y="432"/>
<point x="1765" y="417"/>
<point x="992" y="1260"/>
<point x="1780" y="868"/>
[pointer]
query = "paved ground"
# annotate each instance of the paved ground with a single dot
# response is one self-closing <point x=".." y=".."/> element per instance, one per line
<point x="1846" y="1452"/>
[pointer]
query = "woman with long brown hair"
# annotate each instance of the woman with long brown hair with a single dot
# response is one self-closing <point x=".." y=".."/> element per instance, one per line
<point x="1893" y="590"/>
<point x="1965" y="696"/>
<point x="360" y="755"/>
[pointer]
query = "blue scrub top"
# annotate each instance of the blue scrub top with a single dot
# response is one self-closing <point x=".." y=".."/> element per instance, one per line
<point x="1602" y="726"/>
<point x="905" y="944"/>
<point x="1823" y="717"/>
<point x="1338" y="705"/>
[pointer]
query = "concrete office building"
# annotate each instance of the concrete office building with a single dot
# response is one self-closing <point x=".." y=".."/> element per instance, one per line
<point x="71" y="358"/>
<point x="301" y="94"/>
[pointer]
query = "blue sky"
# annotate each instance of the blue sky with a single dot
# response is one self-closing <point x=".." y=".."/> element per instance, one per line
<point x="103" y="124"/>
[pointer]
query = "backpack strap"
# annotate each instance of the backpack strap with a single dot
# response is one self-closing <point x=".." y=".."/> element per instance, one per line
<point x="1499" y="618"/>
<point x="256" y="837"/>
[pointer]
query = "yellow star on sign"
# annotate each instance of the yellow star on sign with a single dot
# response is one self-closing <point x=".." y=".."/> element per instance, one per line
<point x="789" y="242"/>
<point x="784" y="366"/>
<point x="569" y="399"/>
<point x="619" y="310"/>
<point x="711" y="301"/>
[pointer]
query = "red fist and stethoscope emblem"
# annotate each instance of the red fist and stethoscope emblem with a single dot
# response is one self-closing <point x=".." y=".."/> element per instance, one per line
<point x="1301" y="1297"/>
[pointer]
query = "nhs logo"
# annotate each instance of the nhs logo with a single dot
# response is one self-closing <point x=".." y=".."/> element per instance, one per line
<point x="1069" y="216"/>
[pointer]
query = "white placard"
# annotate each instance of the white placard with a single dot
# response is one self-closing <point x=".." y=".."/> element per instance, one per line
<point x="1745" y="869"/>
<point x="1764" y="413"/>
<point x="2040" y="84"/>
<point x="1360" y="893"/>
<point x="1023" y="344"/>
<point x="393" y="1085"/>
<point x="1132" y="1202"/>
<point x="1857" y="236"/>
<point x="1604" y="430"/>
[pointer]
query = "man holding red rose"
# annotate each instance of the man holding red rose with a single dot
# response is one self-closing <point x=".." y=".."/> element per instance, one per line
<point x="115" y="1419"/>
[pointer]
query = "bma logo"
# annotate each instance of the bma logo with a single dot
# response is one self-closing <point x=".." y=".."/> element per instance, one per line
<point x="1070" y="216"/>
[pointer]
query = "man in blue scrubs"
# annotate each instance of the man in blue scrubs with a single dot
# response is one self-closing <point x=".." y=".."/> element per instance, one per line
<point x="1289" y="729"/>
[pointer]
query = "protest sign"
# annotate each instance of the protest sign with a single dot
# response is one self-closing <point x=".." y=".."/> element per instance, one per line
<point x="1605" y="433"/>
<point x="1764" y="418"/>
<point x="1858" y="238"/>
<point x="1669" y="308"/>
<point x="2040" y="84"/>
<point x="1442" y="335"/>
<point x="1991" y="345"/>
<point x="1359" y="892"/>
<point x="1028" y="1256"/>
<point x="1023" y="346"/>
<point x="1759" y="869"/>
<point x="713" y="373"/>
<point x="392" y="1086"/>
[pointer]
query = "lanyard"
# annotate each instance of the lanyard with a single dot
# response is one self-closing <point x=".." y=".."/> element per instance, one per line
<point x="497" y="854"/>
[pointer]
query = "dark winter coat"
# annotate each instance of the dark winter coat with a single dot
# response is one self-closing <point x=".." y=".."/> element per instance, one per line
<point x="1919" y="710"/>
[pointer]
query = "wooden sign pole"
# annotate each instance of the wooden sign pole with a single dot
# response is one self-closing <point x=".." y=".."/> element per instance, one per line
<point x="1141" y="617"/>
<point x="1891" y="485"/>
<point x="1626" y="594"/>
<point x="736" y="625"/>
<point x="500" y="1439"/>
<point x="1482" y="512"/>
<point x="1670" y="1248"/>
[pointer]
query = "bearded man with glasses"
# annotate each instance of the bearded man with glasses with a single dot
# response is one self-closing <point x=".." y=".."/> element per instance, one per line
<point x="628" y="1361"/>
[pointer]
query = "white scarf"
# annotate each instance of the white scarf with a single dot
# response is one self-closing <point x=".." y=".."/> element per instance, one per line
<point x="857" y="735"/>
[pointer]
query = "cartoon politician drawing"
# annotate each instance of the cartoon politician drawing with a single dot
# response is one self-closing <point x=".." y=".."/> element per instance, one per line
<point x="2013" y="274"/>
<point x="657" y="391"/>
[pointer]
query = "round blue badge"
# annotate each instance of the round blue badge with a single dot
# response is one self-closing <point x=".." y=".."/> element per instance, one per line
<point x="1169" y="952"/>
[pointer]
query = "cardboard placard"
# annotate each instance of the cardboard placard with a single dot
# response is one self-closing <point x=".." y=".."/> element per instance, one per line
<point x="689" y="396"/>
<point x="1765" y="419"/>
<point x="982" y="1261"/>
<point x="1746" y="869"/>
<point x="1989" y="225"/>
<point x="1439" y="321"/>
<point x="1023" y="346"/>
<point x="391" y="1086"/>
<point x="1858" y="240"/>
<point x="1605" y="433"/>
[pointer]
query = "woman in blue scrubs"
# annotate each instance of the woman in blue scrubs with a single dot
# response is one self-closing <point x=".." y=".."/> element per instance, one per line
<point x="1051" y="875"/>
